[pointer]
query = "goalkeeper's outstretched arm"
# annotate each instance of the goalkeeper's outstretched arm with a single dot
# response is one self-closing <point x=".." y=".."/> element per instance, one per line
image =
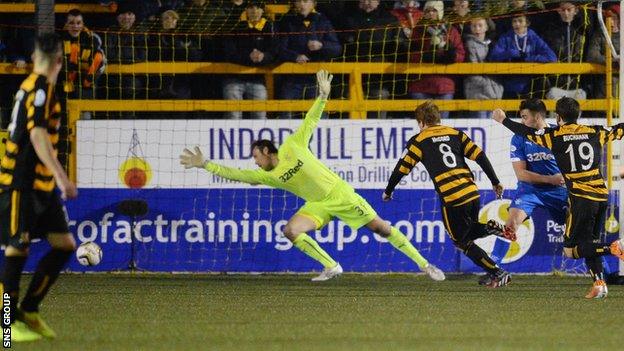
<point x="190" y="160"/>
<point x="303" y="134"/>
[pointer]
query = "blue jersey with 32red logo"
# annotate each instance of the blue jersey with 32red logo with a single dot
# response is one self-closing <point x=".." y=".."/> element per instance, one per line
<point x="538" y="159"/>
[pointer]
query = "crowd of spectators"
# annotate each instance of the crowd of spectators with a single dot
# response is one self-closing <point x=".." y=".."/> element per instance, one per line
<point x="243" y="32"/>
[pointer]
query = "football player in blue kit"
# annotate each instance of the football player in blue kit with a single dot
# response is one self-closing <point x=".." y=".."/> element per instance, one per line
<point x="540" y="183"/>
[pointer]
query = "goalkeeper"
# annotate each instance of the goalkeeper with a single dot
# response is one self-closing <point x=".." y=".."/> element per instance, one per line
<point x="295" y="168"/>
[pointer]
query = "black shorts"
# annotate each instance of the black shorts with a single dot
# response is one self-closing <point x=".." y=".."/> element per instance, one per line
<point x="34" y="212"/>
<point x="461" y="221"/>
<point x="584" y="221"/>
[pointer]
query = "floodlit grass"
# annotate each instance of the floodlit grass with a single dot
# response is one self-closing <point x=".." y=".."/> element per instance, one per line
<point x="354" y="312"/>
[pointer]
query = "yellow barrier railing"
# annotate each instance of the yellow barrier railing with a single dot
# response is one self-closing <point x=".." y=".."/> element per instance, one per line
<point x="95" y="8"/>
<point x="356" y="105"/>
<point x="58" y="8"/>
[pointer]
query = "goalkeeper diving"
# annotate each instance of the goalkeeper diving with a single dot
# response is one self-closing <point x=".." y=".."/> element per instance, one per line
<point x="293" y="167"/>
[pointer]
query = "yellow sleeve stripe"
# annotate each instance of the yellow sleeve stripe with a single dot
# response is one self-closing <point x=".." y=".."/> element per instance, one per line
<point x="11" y="147"/>
<point x="6" y="179"/>
<point x="30" y="99"/>
<point x="616" y="134"/>
<point x="475" y="153"/>
<point x="451" y="173"/>
<point x="409" y="160"/>
<point x="537" y="139"/>
<point x="8" y="163"/>
<point x="404" y="170"/>
<point x="603" y="137"/>
<point x="468" y="147"/>
<point x="30" y="125"/>
<point x="415" y="150"/>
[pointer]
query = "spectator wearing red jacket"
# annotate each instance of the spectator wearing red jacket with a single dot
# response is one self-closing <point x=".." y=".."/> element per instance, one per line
<point x="435" y="42"/>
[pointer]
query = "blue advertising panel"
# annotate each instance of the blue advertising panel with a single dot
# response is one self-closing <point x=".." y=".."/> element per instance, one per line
<point x="236" y="230"/>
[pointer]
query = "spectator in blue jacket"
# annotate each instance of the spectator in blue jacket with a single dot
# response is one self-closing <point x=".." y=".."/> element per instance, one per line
<point x="521" y="44"/>
<point x="308" y="36"/>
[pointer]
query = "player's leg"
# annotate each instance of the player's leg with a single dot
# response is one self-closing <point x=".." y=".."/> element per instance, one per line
<point x="14" y="261"/>
<point x="13" y="228"/>
<point x="13" y="222"/>
<point x="310" y="217"/>
<point x="516" y="217"/>
<point x="397" y="239"/>
<point x="522" y="208"/>
<point x="46" y="273"/>
<point x="401" y="243"/>
<point x="584" y="217"/>
<point x="578" y="240"/>
<point x="459" y="223"/>
<point x="53" y="222"/>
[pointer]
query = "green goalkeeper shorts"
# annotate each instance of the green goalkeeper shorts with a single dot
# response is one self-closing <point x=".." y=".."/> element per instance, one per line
<point x="342" y="202"/>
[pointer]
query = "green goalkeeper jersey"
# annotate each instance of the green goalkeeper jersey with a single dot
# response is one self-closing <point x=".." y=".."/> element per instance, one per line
<point x="298" y="170"/>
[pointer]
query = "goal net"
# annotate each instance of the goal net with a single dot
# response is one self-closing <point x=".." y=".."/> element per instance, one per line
<point x="210" y="75"/>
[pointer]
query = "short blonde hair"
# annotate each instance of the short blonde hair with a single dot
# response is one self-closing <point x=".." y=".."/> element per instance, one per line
<point x="428" y="113"/>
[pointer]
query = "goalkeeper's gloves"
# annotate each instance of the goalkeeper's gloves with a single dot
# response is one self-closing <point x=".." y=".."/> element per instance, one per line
<point x="189" y="159"/>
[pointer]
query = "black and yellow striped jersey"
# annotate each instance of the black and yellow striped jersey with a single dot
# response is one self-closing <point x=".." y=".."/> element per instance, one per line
<point x="35" y="106"/>
<point x="578" y="152"/>
<point x="443" y="150"/>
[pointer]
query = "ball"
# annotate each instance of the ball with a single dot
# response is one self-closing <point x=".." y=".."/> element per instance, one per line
<point x="89" y="254"/>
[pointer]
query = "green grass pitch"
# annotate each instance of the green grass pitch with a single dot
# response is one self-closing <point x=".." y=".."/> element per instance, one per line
<point x="354" y="312"/>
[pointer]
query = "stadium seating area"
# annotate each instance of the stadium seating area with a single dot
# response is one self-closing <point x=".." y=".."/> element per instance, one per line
<point x="396" y="32"/>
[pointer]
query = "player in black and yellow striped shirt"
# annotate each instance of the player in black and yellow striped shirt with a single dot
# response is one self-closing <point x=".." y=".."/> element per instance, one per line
<point x="29" y="206"/>
<point x="443" y="150"/>
<point x="578" y="150"/>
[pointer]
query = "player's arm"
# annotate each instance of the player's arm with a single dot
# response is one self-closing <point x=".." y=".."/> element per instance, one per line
<point x="43" y="147"/>
<point x="189" y="160"/>
<point x="540" y="137"/>
<point x="303" y="134"/>
<point x="37" y="125"/>
<point x="473" y="152"/>
<point x="615" y="132"/>
<point x="411" y="156"/>
<point x="524" y="175"/>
